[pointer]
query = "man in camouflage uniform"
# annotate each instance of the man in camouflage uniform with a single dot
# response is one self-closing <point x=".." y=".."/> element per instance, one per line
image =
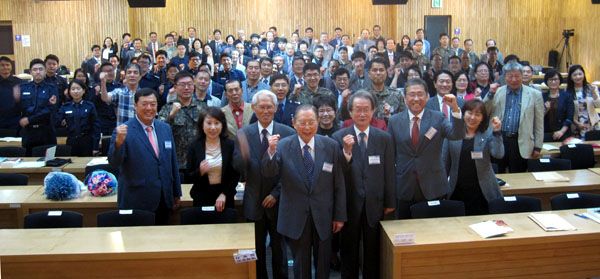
<point x="389" y="101"/>
<point x="307" y="93"/>
<point x="182" y="114"/>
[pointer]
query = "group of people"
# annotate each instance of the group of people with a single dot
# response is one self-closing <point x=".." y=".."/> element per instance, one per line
<point x="329" y="137"/>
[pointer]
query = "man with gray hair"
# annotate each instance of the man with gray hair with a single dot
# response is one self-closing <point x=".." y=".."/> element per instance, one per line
<point x="261" y="195"/>
<point x="521" y="110"/>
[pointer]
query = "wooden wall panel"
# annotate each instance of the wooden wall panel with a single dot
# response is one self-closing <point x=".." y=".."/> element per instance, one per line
<point x="527" y="27"/>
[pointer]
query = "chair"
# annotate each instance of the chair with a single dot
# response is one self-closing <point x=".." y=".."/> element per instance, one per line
<point x="514" y="204"/>
<point x="119" y="218"/>
<point x="61" y="150"/>
<point x="548" y="164"/>
<point x="12" y="151"/>
<point x="434" y="209"/>
<point x="194" y="216"/>
<point x="104" y="145"/>
<point x="581" y="156"/>
<point x="106" y="167"/>
<point x="8" y="133"/>
<point x="46" y="220"/>
<point x="11" y="179"/>
<point x="592" y="135"/>
<point x="574" y="200"/>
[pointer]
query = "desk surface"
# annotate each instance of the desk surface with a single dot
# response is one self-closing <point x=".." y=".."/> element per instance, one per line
<point x="559" y="144"/>
<point x="15" y="194"/>
<point x="59" y="140"/>
<point x="97" y="242"/>
<point x="525" y="183"/>
<point x="41" y="170"/>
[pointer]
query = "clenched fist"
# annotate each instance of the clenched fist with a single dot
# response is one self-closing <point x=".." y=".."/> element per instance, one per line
<point x="121" y="135"/>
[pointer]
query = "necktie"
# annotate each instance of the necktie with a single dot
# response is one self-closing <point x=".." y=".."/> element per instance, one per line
<point x="415" y="132"/>
<point x="362" y="144"/>
<point x="301" y="81"/>
<point x="279" y="113"/>
<point x="265" y="81"/>
<point x="265" y="141"/>
<point x="445" y="109"/>
<point x="309" y="164"/>
<point x="151" y="139"/>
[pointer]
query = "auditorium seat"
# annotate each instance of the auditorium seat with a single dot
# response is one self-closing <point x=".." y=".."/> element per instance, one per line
<point x="43" y="220"/>
<point x="125" y="218"/>
<point x="196" y="215"/>
<point x="433" y="209"/>
<point x="13" y="179"/>
<point x="581" y="155"/>
<point x="514" y="204"/>
<point x="548" y="164"/>
<point x="574" y="200"/>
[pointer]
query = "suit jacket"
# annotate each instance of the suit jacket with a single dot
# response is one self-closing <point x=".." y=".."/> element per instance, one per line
<point x="217" y="90"/>
<point x="433" y="103"/>
<point x="531" y="121"/>
<point x="422" y="167"/>
<point x="149" y="48"/>
<point x="369" y="184"/>
<point x="90" y="66"/>
<point x="201" y="189"/>
<point x="324" y="199"/>
<point x="489" y="145"/>
<point x="231" y="125"/>
<point x="144" y="177"/>
<point x="258" y="186"/>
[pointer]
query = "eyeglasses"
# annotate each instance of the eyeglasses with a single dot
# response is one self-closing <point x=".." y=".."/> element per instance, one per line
<point x="307" y="123"/>
<point x="326" y="111"/>
<point x="280" y="85"/>
<point x="417" y="95"/>
<point x="186" y="85"/>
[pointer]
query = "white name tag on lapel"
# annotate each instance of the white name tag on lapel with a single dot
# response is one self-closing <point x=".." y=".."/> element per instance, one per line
<point x="168" y="145"/>
<point x="430" y="133"/>
<point x="328" y="167"/>
<point x="374" y="160"/>
<point x="26" y="93"/>
<point x="476" y="155"/>
<point x="68" y="112"/>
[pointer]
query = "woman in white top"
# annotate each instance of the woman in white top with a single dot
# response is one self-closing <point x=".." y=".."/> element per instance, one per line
<point x="210" y="163"/>
<point x="585" y="96"/>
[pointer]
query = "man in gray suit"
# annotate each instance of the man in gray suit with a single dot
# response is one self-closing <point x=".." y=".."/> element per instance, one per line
<point x="369" y="176"/>
<point x="418" y="135"/>
<point x="521" y="110"/>
<point x="313" y="196"/>
<point x="262" y="194"/>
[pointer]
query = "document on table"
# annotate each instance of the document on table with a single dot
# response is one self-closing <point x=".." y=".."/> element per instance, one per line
<point x="550" y="176"/>
<point x="593" y="214"/>
<point x="35" y="164"/>
<point x="98" y="161"/>
<point x="551" y="222"/>
<point x="549" y="147"/>
<point x="491" y="228"/>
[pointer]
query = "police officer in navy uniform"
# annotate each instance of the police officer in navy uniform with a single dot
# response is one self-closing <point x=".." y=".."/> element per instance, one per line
<point x="9" y="110"/>
<point x="79" y="116"/>
<point x="52" y="64"/>
<point x="37" y="103"/>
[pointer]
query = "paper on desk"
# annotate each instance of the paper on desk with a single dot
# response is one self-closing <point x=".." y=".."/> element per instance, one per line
<point x="593" y="214"/>
<point x="30" y="165"/>
<point x="10" y="139"/>
<point x="550" y="176"/>
<point x="98" y="161"/>
<point x="491" y="228"/>
<point x="551" y="222"/>
<point x="549" y="147"/>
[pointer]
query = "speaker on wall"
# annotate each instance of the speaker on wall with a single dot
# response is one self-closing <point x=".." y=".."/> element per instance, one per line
<point x="595" y="1"/>
<point x="147" y="3"/>
<point x="391" y="2"/>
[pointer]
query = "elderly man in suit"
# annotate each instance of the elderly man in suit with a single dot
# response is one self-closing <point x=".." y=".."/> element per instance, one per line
<point x="369" y="176"/>
<point x="313" y="196"/>
<point x="418" y="135"/>
<point x="237" y="113"/>
<point x="143" y="149"/>
<point x="521" y="110"/>
<point x="261" y="194"/>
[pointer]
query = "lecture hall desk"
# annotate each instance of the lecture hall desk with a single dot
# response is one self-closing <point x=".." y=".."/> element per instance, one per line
<point x="525" y="184"/>
<point x="556" y="153"/>
<point x="88" y="205"/>
<point x="447" y="248"/>
<point x="11" y="198"/>
<point x="198" y="251"/>
<point x="37" y="175"/>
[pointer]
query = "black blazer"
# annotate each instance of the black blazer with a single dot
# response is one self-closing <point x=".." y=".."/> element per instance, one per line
<point x="202" y="192"/>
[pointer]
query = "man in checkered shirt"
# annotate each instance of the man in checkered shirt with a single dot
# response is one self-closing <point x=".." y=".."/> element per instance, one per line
<point x="123" y="96"/>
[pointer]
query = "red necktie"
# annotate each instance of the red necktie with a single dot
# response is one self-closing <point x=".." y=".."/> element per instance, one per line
<point x="415" y="132"/>
<point x="151" y="139"/>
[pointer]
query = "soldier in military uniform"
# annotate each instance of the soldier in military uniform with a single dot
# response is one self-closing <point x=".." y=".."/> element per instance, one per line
<point x="389" y="101"/>
<point x="311" y="90"/>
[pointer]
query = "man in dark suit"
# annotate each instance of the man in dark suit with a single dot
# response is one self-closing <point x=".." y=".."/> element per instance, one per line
<point x="92" y="65"/>
<point x="313" y="197"/>
<point x="285" y="106"/>
<point x="188" y="42"/>
<point x="442" y="81"/>
<point x="369" y="176"/>
<point x="261" y="194"/>
<point x="143" y="149"/>
<point x="418" y="135"/>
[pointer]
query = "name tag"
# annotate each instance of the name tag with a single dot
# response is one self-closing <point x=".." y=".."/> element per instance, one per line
<point x="328" y="167"/>
<point x="433" y="203"/>
<point x="430" y="133"/>
<point x="571" y="146"/>
<point x="208" y="208"/>
<point x="68" y="112"/>
<point x="572" y="196"/>
<point x="243" y="256"/>
<point x="168" y="145"/>
<point x="26" y="93"/>
<point x="544" y="160"/>
<point x="125" y="211"/>
<point x="476" y="155"/>
<point x="374" y="160"/>
<point x="510" y="198"/>
<point x="54" y="213"/>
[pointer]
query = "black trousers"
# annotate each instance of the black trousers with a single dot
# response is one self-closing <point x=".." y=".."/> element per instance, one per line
<point x="82" y="146"/>
<point x="512" y="161"/>
<point x="353" y="230"/>
<point x="268" y="225"/>
<point x="35" y="135"/>
<point x="302" y="247"/>
<point x="161" y="215"/>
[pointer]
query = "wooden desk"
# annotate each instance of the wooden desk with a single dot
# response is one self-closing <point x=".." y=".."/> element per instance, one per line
<point x="36" y="175"/>
<point x="11" y="200"/>
<point x="556" y="153"/>
<point x="525" y="184"/>
<point x="595" y="170"/>
<point x="77" y="167"/>
<point x="59" y="140"/>
<point x="200" y="251"/>
<point x="89" y="205"/>
<point x="447" y="248"/>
